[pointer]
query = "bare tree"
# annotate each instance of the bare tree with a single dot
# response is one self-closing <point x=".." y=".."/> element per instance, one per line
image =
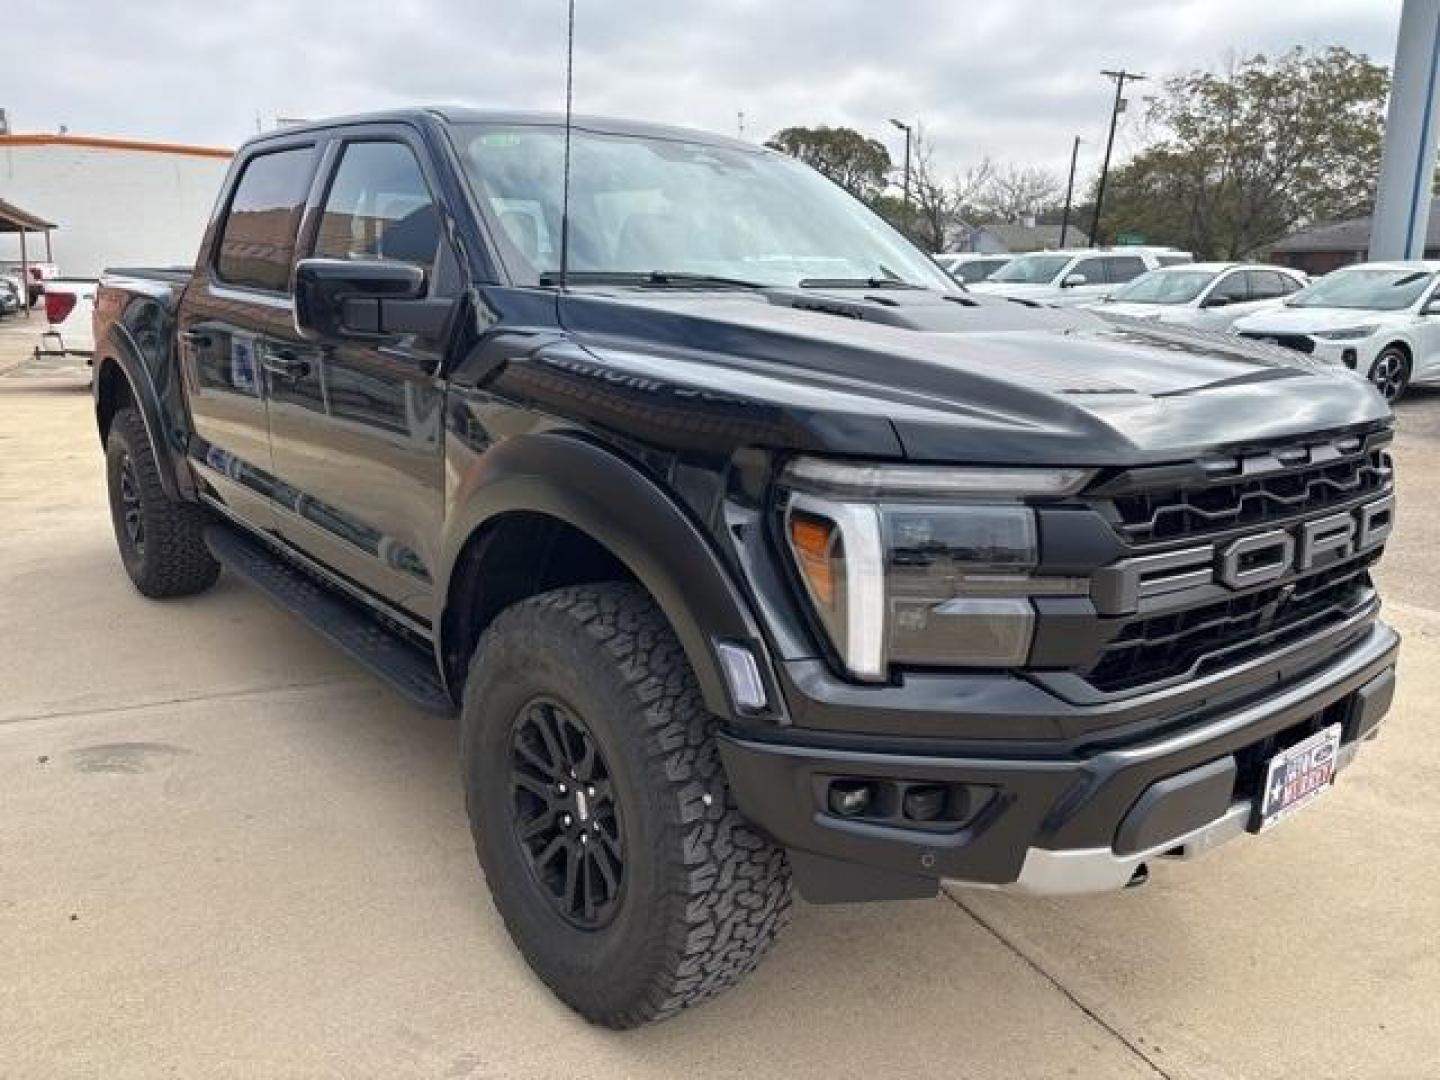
<point x="940" y="204"/>
<point x="1016" y="192"/>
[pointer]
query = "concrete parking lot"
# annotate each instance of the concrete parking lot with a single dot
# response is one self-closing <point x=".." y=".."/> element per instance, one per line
<point x="225" y="851"/>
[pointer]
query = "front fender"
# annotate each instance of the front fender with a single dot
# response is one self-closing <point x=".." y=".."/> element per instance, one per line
<point x="611" y="501"/>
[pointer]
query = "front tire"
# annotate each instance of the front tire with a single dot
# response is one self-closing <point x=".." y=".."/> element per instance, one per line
<point x="601" y="815"/>
<point x="1390" y="374"/>
<point x="162" y="542"/>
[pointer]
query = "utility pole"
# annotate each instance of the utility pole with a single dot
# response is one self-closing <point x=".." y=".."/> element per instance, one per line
<point x="1069" y="192"/>
<point x="1120" y="78"/>
<point x="906" y="128"/>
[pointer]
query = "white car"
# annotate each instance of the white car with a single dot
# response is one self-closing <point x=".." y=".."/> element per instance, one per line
<point x="972" y="267"/>
<point x="1070" y="278"/>
<point x="1380" y="319"/>
<point x="1207" y="296"/>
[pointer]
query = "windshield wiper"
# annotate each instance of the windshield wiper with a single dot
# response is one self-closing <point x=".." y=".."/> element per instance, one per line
<point x="857" y="283"/>
<point x="679" y="278"/>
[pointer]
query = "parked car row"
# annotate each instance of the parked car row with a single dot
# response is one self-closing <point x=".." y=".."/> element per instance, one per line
<point x="11" y="290"/>
<point x="38" y="274"/>
<point x="1074" y="277"/>
<point x="1379" y="319"/>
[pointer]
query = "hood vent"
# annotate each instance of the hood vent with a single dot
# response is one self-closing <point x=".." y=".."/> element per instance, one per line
<point x="825" y="307"/>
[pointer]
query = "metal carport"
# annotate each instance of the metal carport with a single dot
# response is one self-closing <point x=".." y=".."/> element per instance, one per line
<point x="15" y="220"/>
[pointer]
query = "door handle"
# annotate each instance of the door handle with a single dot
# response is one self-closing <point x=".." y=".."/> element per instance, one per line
<point x="286" y="364"/>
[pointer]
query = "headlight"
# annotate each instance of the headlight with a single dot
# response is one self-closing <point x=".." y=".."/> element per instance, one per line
<point x="1346" y="333"/>
<point x="922" y="566"/>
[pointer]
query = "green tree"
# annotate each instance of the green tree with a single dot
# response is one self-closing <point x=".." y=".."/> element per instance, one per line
<point x="1248" y="155"/>
<point x="860" y="165"/>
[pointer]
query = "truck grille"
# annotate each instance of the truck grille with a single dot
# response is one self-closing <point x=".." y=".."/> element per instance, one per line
<point x="1256" y="489"/>
<point x="1202" y="627"/>
<point x="1198" y="641"/>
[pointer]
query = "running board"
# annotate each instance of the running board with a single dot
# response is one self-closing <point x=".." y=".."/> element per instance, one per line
<point x="406" y="669"/>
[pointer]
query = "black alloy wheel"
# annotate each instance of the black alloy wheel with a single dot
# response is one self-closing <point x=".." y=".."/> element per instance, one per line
<point x="133" y="518"/>
<point x="565" y="816"/>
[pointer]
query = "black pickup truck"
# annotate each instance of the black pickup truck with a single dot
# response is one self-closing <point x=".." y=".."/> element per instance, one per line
<point x="746" y="544"/>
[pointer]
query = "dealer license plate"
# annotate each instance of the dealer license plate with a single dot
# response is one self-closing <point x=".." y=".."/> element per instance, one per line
<point x="1298" y="776"/>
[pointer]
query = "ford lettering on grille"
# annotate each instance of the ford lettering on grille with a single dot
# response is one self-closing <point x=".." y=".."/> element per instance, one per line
<point x="1248" y="561"/>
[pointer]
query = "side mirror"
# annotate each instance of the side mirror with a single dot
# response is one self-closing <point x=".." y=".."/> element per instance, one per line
<point x="366" y="299"/>
<point x="1215" y="301"/>
<point x="1071" y="280"/>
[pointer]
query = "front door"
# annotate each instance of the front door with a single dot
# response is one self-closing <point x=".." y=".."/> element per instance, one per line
<point x="356" y="426"/>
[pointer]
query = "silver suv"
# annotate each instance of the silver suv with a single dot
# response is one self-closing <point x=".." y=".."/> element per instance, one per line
<point x="1077" y="276"/>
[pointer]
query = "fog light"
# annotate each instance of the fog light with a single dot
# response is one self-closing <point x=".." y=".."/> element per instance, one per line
<point x="924" y="803"/>
<point x="850" y="797"/>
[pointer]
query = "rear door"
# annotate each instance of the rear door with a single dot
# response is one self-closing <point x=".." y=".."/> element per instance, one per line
<point x="356" y="428"/>
<point x="235" y="318"/>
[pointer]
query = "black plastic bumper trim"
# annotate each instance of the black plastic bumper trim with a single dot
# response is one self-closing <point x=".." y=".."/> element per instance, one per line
<point x="1059" y="803"/>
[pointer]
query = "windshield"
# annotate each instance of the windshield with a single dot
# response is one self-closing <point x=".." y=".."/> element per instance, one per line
<point x="1165" y="287"/>
<point x="642" y="205"/>
<point x="979" y="270"/>
<point x="1032" y="269"/>
<point x="1365" y="288"/>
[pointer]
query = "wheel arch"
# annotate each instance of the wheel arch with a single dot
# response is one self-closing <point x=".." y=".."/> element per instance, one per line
<point x="556" y="489"/>
<point x="1403" y="345"/>
<point x="121" y="379"/>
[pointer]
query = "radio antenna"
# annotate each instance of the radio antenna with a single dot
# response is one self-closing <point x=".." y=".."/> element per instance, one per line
<point x="565" y="190"/>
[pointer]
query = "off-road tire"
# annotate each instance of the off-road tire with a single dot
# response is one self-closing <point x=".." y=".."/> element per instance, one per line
<point x="703" y="893"/>
<point x="169" y="558"/>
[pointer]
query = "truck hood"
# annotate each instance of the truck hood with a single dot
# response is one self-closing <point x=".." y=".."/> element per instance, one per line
<point x="949" y="377"/>
<point x="1295" y="320"/>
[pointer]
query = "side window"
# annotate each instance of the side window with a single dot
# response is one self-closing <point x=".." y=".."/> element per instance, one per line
<point x="378" y="207"/>
<point x="1268" y="285"/>
<point x="257" y="241"/>
<point x="1125" y="268"/>
<point x="1093" y="269"/>
<point x="1232" y="288"/>
<point x="1289" y="284"/>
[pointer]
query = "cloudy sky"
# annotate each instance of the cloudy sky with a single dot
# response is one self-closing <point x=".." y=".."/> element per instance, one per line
<point x="1014" y="79"/>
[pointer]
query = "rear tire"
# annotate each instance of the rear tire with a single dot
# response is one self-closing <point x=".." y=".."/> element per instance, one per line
<point x="1390" y="374"/>
<point x="162" y="542"/>
<point x="689" y="897"/>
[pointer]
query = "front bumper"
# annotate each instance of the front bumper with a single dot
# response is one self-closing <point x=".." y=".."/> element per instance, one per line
<point x="1082" y="821"/>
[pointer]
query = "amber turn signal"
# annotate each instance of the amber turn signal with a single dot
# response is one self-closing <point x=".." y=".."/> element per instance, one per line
<point x="813" y="540"/>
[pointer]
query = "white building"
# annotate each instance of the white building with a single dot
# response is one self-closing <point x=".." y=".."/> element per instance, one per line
<point x="115" y="202"/>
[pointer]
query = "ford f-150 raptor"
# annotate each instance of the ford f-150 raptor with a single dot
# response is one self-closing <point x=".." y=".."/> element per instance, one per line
<point x="749" y="547"/>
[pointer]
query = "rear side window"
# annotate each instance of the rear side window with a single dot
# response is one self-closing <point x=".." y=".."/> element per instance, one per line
<point x="379" y="208"/>
<point x="1267" y="285"/>
<point x="257" y="241"/>
<point x="1125" y="268"/>
<point x="1233" y="288"/>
